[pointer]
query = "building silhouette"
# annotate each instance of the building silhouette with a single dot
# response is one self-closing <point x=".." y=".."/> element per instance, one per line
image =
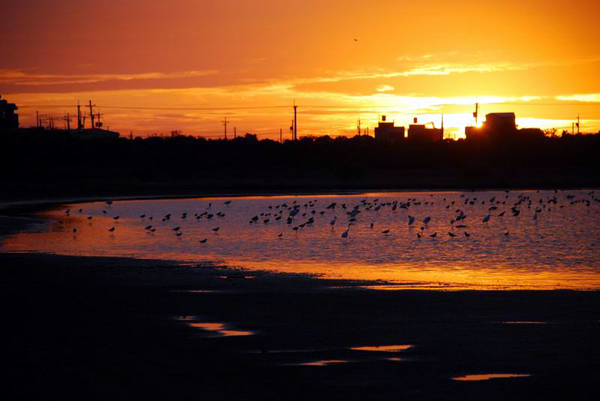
<point x="94" y="133"/>
<point x="420" y="132"/>
<point x="388" y="132"/>
<point x="495" y="126"/>
<point x="9" y="120"/>
<point x="500" y="122"/>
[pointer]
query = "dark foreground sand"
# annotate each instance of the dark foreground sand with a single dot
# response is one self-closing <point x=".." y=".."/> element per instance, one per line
<point x="104" y="329"/>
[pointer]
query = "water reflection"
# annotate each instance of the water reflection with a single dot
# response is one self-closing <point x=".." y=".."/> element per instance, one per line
<point x="489" y="376"/>
<point x="221" y="329"/>
<point x="447" y="246"/>
<point x="383" y="348"/>
<point x="324" y="362"/>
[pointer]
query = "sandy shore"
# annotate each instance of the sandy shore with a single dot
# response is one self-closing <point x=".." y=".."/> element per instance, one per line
<point x="120" y="329"/>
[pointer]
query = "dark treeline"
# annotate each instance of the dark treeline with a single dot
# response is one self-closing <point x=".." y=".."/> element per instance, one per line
<point x="53" y="163"/>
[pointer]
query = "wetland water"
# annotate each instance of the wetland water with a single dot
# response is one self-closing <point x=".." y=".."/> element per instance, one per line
<point x="531" y="239"/>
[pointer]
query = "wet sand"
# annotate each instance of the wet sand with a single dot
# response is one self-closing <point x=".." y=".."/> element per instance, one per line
<point x="97" y="328"/>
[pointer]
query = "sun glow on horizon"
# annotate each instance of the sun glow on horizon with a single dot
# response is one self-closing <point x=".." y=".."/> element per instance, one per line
<point x="149" y="76"/>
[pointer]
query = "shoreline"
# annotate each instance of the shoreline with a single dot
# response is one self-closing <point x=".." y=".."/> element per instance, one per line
<point x="37" y="204"/>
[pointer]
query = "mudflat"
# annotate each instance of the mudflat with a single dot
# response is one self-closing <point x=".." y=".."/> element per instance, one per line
<point x="86" y="328"/>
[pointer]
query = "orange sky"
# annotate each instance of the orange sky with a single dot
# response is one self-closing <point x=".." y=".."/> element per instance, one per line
<point x="186" y="64"/>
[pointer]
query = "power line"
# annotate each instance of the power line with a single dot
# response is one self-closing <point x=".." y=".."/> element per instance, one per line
<point x="42" y="106"/>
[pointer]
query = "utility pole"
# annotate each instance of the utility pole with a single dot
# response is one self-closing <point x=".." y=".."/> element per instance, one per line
<point x="476" y="114"/>
<point x="234" y="132"/>
<point x="92" y="116"/>
<point x="79" y="125"/>
<point x="578" y="127"/>
<point x="99" y="123"/>
<point x="280" y="135"/>
<point x="295" y="122"/>
<point x="358" y="127"/>
<point x="442" y="126"/>
<point x="131" y="135"/>
<point x="37" y="119"/>
<point x="67" y="119"/>
<point x="225" y="125"/>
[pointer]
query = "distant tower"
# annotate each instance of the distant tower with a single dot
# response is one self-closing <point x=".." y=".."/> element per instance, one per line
<point x="295" y="121"/>
<point x="225" y="126"/>
<point x="476" y="113"/>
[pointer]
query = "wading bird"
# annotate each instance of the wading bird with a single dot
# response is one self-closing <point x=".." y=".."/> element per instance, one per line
<point x="345" y="233"/>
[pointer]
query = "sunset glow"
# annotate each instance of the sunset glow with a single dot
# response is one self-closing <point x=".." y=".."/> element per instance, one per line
<point x="154" y="67"/>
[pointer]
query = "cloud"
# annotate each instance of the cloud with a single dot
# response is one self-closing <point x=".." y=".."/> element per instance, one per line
<point x="21" y="77"/>
<point x="446" y="64"/>
<point x="385" y="88"/>
<point x="590" y="98"/>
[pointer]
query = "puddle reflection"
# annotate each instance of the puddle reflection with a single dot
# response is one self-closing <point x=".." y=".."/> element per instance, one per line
<point x="324" y="362"/>
<point x="220" y="329"/>
<point x="489" y="376"/>
<point x="383" y="348"/>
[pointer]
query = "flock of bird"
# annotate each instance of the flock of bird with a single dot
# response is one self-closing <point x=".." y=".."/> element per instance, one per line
<point x="297" y="216"/>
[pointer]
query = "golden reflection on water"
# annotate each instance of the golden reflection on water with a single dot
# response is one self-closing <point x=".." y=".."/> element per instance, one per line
<point x="557" y="250"/>
<point x="489" y="376"/>
<point x="324" y="362"/>
<point x="383" y="348"/>
<point x="220" y="329"/>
